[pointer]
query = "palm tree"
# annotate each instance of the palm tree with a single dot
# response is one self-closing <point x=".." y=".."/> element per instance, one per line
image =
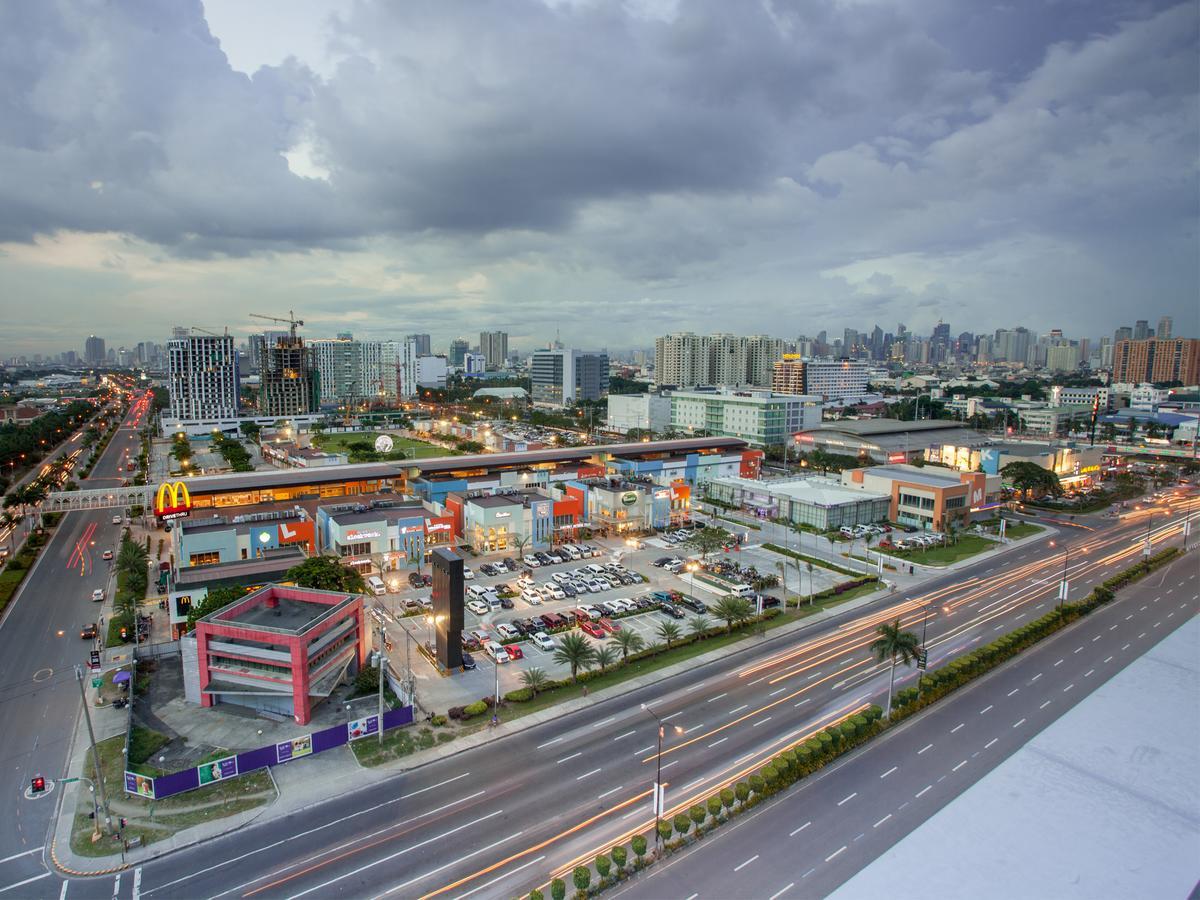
<point x="535" y="679"/>
<point x="668" y="631"/>
<point x="575" y="651"/>
<point x="604" y="656"/>
<point x="897" y="644"/>
<point x="810" y="590"/>
<point x="698" y="625"/>
<point x="10" y="521"/>
<point x="732" y="609"/>
<point x="781" y="567"/>
<point x="132" y="557"/>
<point x="629" y="641"/>
<point x="521" y="542"/>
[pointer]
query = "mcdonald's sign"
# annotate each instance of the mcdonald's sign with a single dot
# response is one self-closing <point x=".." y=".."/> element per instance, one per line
<point x="172" y="500"/>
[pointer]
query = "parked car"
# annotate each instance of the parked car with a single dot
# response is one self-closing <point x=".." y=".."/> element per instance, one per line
<point x="467" y="573"/>
<point x="533" y="562"/>
<point x="116" y="520"/>
<point x="609" y="625"/>
<point x="478" y="607"/>
<point x="468" y="661"/>
<point x="513" y="651"/>
<point x="591" y="611"/>
<point x="670" y="609"/>
<point x="543" y="641"/>
<point x="510" y="563"/>
<point x="506" y="603"/>
<point x="593" y="629"/>
<point x="531" y="596"/>
<point x="694" y="605"/>
<point x="507" y="631"/>
<point x="569" y="590"/>
<point x="663" y="561"/>
<point x="414" y="579"/>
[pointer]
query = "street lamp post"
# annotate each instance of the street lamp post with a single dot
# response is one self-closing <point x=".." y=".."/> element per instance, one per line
<point x="691" y="568"/>
<point x="659" y="793"/>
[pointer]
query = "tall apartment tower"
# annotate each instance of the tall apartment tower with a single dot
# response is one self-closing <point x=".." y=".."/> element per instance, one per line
<point x="1153" y="360"/>
<point x="202" y="377"/>
<point x="494" y="347"/>
<point x="93" y="351"/>
<point x="563" y="377"/>
<point x="459" y="349"/>
<point x="686" y="359"/>
<point x="788" y="375"/>
<point x="290" y="383"/>
<point x="424" y="345"/>
<point x="1166" y="327"/>
<point x="1141" y="330"/>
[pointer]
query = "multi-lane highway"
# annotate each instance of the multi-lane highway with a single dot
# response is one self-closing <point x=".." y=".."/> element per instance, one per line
<point x="39" y="696"/>
<point x="498" y="819"/>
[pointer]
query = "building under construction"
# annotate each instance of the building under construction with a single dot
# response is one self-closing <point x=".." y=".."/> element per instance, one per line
<point x="289" y="385"/>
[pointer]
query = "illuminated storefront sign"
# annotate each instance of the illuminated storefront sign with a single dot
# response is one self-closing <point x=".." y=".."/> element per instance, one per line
<point x="629" y="498"/>
<point x="173" y="501"/>
<point x="360" y="535"/>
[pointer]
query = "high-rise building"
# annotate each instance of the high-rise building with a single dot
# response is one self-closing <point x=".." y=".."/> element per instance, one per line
<point x="687" y="360"/>
<point x="474" y="363"/>
<point x="424" y="346"/>
<point x="458" y="351"/>
<point x="1153" y="360"/>
<point x="202" y="377"/>
<point x="1124" y="333"/>
<point x="290" y="385"/>
<point x="420" y="370"/>
<point x="1063" y="357"/>
<point x="787" y="377"/>
<point x="494" y="347"/>
<point x="564" y="377"/>
<point x="1013" y="345"/>
<point x="1141" y="330"/>
<point x="93" y="351"/>
<point x="1165" y="328"/>
<point x="339" y="370"/>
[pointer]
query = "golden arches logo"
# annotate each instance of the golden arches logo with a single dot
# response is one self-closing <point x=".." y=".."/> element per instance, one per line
<point x="172" y="497"/>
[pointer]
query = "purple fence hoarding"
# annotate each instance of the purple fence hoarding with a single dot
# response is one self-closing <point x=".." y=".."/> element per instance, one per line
<point x="161" y="786"/>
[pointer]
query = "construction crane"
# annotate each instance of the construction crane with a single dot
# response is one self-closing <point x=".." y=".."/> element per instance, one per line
<point x="212" y="333"/>
<point x="291" y="320"/>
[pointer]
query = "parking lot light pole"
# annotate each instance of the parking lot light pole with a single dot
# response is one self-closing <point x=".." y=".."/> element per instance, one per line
<point x="659" y="793"/>
<point x="691" y="568"/>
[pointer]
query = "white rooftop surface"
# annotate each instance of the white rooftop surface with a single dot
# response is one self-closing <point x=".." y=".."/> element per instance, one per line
<point x="818" y="491"/>
<point x="1105" y="803"/>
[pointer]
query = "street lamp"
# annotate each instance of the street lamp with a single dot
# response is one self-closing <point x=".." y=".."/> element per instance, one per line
<point x="659" y="793"/>
<point x="691" y="570"/>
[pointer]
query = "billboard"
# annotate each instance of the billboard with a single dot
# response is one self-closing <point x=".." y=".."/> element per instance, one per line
<point x="172" y="500"/>
<point x="217" y="770"/>
<point x="294" y="749"/>
<point x="361" y="728"/>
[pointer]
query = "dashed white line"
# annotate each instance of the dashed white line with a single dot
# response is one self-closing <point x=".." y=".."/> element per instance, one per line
<point x="1096" y="638"/>
<point x="1142" y="635"/>
<point x="613" y="791"/>
<point x="959" y="766"/>
<point x="693" y="728"/>
<point x="1112" y="628"/>
<point x="1126" y="647"/>
<point x="778" y="692"/>
<point x="923" y="791"/>
<point x="548" y="743"/>
<point x="958" y="726"/>
<point x="1088" y="672"/>
<point x="800" y="829"/>
<point x="587" y="775"/>
<point x="831" y="856"/>
<point x="847" y="799"/>
<point x="923" y="749"/>
<point x="643" y="750"/>
<point x="671" y="763"/>
<point x="1044" y="705"/>
<point x="566" y="758"/>
<point x="782" y="891"/>
<point x="881" y="821"/>
<point x="714" y="743"/>
<point x="739" y="709"/>
<point x="623" y="736"/>
<point x="1013" y="691"/>
<point x="989" y="743"/>
<point x="1035" y="677"/>
<point x="1108" y="659"/>
<point x="889" y="772"/>
<point x="604" y="722"/>
<point x="761" y="722"/>
<point x="985" y="709"/>
<point x="694" y="687"/>
<point x="1068" y="687"/>
<point x="801" y="703"/>
<point x="739" y="868"/>
<point x="1019" y="723"/>
<point x="1059" y="663"/>
<point x="716" y="698"/>
<point x="1078" y="649"/>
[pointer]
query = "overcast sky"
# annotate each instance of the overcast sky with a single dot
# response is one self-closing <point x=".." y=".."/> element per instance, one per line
<point x="609" y="170"/>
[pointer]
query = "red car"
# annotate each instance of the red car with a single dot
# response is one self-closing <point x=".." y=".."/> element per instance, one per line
<point x="609" y="625"/>
<point x="513" y="651"/>
<point x="593" y="629"/>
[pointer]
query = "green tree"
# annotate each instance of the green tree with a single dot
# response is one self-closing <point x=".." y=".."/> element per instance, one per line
<point x="714" y="806"/>
<point x="619" y="858"/>
<point x="558" y="889"/>
<point x="682" y="824"/>
<point x="603" y="865"/>
<point x="664" y="830"/>
<point x="216" y="599"/>
<point x="605" y="656"/>
<point x="629" y="641"/>
<point x="132" y="557"/>
<point x="326" y="573"/>
<point x="576" y="651"/>
<point x="1028" y="478"/>
<point x="535" y="679"/>
<point x="896" y="644"/>
<point x="535" y="894"/>
<point x="638" y="844"/>
<point x="521" y="542"/>
<point x="732" y="609"/>
<point x="582" y="876"/>
<point x="708" y="541"/>
<point x="698" y="814"/>
<point x="697" y="625"/>
<point x="727" y="799"/>
<point x="668" y="631"/>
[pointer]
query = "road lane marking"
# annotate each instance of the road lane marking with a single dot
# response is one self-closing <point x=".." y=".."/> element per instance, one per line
<point x="716" y="698"/>
<point x="806" y="699"/>
<point x="1078" y="649"/>
<point x="625" y="735"/>
<point x="1142" y="635"/>
<point x="881" y="821"/>
<point x="694" y="687"/>
<point x="1059" y="663"/>
<point x="116" y="886"/>
<point x="714" y="743"/>
<point x="412" y="881"/>
<point x="739" y="709"/>
<point x="761" y="722"/>
<point x="1108" y="659"/>
<point x="23" y="853"/>
<point x="923" y="791"/>
<point x="1126" y="647"/>
<point x="800" y="829"/>
<point x="488" y="884"/>
<point x="889" y="772"/>
<point x="62" y="894"/>
<point x="835" y="853"/>
<point x="1088" y="672"/>
<point x="572" y="756"/>
<point x="847" y="799"/>
<point x="9" y="887"/>
<point x="1019" y="723"/>
<point x="1044" y="705"/>
<point x="989" y="743"/>
<point x="1068" y="687"/>
<point x="613" y="791"/>
<point x="959" y="766"/>
<point x="1096" y="638"/>
<point x="1013" y="691"/>
<point x="643" y="750"/>
<point x="604" y="722"/>
<point x="923" y="749"/>
<point x="985" y="709"/>
<point x="739" y="868"/>
<point x="956" y="727"/>
<point x="586" y="775"/>
<point x="696" y="783"/>
<point x="780" y="691"/>
<point x="668" y="765"/>
<point x="548" y="743"/>
<point x="779" y="893"/>
<point x="1035" y="677"/>
<point x="137" y="883"/>
<point x="809" y="872"/>
<point x="693" y="728"/>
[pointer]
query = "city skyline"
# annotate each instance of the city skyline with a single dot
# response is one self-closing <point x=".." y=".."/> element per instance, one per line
<point x="980" y="165"/>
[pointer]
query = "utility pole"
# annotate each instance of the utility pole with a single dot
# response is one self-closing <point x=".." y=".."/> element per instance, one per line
<point x="87" y="715"/>
<point x="382" y="672"/>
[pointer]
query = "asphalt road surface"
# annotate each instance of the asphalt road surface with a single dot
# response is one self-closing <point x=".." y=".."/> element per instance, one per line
<point x="39" y="696"/>
<point x="816" y="836"/>
<point x="499" y="819"/>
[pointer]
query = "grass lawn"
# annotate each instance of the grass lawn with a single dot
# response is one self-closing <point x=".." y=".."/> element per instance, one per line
<point x="968" y="545"/>
<point x="402" y="448"/>
<point x="397" y="743"/>
<point x="156" y="820"/>
<point x="807" y="609"/>
<point x="822" y="563"/>
<point x="1020" y="529"/>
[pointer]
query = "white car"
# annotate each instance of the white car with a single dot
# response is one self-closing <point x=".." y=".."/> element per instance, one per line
<point x="561" y="577"/>
<point x="98" y="595"/>
<point x="496" y="652"/>
<point x="507" y="631"/>
<point x="531" y="596"/>
<point x="116" y="520"/>
<point x="478" y="607"/>
<point x="594" y="586"/>
<point x="556" y="592"/>
<point x="592" y="612"/>
<point x="543" y="641"/>
<point x="532" y="562"/>
<point x="467" y="573"/>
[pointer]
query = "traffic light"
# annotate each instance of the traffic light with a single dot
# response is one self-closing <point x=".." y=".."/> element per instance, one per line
<point x="37" y="785"/>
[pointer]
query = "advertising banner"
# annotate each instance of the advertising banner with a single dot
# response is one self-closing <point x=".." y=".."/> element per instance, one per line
<point x="361" y="728"/>
<point x="294" y="749"/>
<point x="142" y="785"/>
<point x="218" y="770"/>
